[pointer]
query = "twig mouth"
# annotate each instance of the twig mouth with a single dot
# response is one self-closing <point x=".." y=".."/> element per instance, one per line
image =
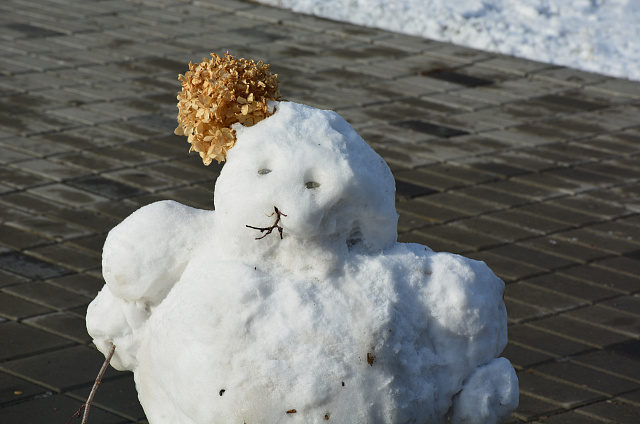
<point x="269" y="230"/>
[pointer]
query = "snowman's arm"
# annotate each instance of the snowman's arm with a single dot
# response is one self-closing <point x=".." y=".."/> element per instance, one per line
<point x="146" y="254"/>
<point x="112" y="320"/>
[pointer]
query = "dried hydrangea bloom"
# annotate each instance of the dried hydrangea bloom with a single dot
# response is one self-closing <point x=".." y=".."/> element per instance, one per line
<point x="216" y="94"/>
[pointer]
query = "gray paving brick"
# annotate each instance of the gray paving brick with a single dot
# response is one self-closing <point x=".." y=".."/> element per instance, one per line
<point x="21" y="180"/>
<point x="579" y="330"/>
<point x="9" y="278"/>
<point x="616" y="87"/>
<point x="595" y="380"/>
<point x="521" y="252"/>
<point x="506" y="268"/>
<point x="18" y="239"/>
<point x="626" y="304"/>
<point x="597" y="240"/>
<point x="531" y="408"/>
<point x="462" y="203"/>
<point x="81" y="284"/>
<point x="504" y="232"/>
<point x="85" y="219"/>
<point x="502" y="198"/>
<point x="551" y="210"/>
<point x="409" y="222"/>
<point x="627" y="264"/>
<point x="47" y="294"/>
<point x="470" y="239"/>
<point x="67" y="257"/>
<point x="48" y="369"/>
<point x="434" y="181"/>
<point x="522" y="357"/>
<point x="434" y="243"/>
<point x="30" y="267"/>
<point x="19" y="340"/>
<point x="631" y="397"/>
<point x="8" y="156"/>
<point x="607" y="278"/>
<point x="14" y="390"/>
<point x="615" y="360"/>
<point x="566" y="249"/>
<point x="54" y="408"/>
<point x="89" y="161"/>
<point x="62" y="324"/>
<point x="528" y="221"/>
<point x="430" y="212"/>
<point x="519" y="312"/>
<point x="46" y="227"/>
<point x="620" y="412"/>
<point x="554" y="391"/>
<point x="533" y="295"/>
<point x="66" y="194"/>
<point x="551" y="344"/>
<point x="565" y="417"/>
<point x="91" y="244"/>
<point x="609" y="317"/>
<point x="624" y="229"/>
<point x="49" y="169"/>
<point x="569" y="76"/>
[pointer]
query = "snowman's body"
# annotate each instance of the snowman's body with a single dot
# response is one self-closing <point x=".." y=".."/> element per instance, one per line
<point x="335" y="321"/>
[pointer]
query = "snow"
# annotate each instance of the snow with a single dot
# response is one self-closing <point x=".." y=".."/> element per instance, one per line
<point x="601" y="36"/>
<point x="327" y="317"/>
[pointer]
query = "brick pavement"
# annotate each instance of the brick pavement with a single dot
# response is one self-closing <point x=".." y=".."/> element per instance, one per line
<point x="530" y="167"/>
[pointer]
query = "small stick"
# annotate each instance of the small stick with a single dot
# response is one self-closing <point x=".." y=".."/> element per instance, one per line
<point x="87" y="405"/>
<point x="273" y="227"/>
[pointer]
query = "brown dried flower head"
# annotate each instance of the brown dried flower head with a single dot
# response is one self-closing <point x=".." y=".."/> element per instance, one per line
<point x="216" y="94"/>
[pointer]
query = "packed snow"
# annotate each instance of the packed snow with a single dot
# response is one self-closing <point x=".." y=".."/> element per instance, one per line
<point x="293" y="299"/>
<point x="601" y="36"/>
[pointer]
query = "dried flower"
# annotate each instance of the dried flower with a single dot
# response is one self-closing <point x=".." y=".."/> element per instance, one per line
<point x="216" y="94"/>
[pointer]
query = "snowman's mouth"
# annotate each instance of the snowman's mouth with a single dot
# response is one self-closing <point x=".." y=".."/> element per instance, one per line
<point x="268" y="230"/>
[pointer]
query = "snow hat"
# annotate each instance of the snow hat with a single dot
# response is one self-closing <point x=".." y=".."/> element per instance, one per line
<point x="218" y="93"/>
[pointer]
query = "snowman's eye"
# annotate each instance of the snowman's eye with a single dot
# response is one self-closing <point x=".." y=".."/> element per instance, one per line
<point x="264" y="171"/>
<point x="312" y="184"/>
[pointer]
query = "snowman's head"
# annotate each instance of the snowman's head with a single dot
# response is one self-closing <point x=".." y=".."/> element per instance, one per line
<point x="314" y="167"/>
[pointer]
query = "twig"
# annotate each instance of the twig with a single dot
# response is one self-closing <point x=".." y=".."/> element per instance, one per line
<point x="87" y="405"/>
<point x="271" y="228"/>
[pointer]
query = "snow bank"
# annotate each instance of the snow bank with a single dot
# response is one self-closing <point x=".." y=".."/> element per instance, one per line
<point x="601" y="36"/>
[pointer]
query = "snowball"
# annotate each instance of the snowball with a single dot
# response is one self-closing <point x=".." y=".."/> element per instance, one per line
<point x="489" y="396"/>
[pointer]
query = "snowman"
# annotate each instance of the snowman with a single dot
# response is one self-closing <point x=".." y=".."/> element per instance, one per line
<point x="292" y="300"/>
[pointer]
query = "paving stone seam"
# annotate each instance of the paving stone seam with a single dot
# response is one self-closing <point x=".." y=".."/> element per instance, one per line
<point x="488" y="215"/>
<point x="577" y="360"/>
<point x="52" y="331"/>
<point x="617" y="270"/>
<point x="33" y="353"/>
<point x="618" y="295"/>
<point x="611" y="328"/>
<point x="36" y="301"/>
<point x="26" y="399"/>
<point x="563" y="405"/>
<point x="566" y="335"/>
<point x="553" y="357"/>
<point x="581" y="411"/>
<point x="552" y="377"/>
